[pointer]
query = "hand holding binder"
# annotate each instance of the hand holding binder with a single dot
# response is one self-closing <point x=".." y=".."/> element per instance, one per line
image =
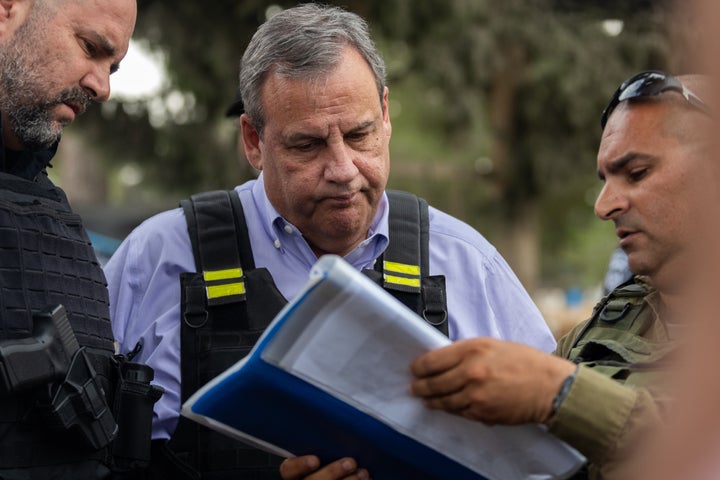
<point x="330" y="377"/>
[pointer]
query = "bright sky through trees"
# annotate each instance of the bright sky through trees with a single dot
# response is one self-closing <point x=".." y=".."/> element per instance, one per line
<point x="140" y="76"/>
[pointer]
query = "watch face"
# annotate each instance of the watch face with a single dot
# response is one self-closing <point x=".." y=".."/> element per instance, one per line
<point x="564" y="390"/>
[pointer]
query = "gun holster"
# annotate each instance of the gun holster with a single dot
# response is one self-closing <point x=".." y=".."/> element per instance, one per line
<point x="52" y="364"/>
<point x="79" y="402"/>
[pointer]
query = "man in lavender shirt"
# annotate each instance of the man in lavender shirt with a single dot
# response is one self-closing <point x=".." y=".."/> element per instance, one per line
<point x="317" y="126"/>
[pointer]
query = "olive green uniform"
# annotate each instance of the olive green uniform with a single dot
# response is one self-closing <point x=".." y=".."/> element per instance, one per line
<point x="615" y="396"/>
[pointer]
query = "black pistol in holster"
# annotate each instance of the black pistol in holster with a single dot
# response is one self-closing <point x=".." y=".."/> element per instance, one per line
<point x="52" y="358"/>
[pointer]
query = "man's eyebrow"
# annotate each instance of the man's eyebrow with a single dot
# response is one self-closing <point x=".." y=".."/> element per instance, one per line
<point x="106" y="48"/>
<point x="619" y="163"/>
<point x="300" y="137"/>
<point x="303" y="136"/>
<point x="362" y="126"/>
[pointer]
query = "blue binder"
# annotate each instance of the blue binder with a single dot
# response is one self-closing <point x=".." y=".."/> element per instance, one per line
<point x="264" y="404"/>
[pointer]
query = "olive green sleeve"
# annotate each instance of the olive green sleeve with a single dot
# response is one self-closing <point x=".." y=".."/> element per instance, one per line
<point x="602" y="418"/>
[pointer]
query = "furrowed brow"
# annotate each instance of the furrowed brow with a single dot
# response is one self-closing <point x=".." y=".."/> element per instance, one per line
<point x="620" y="163"/>
<point x="105" y="48"/>
<point x="300" y="137"/>
<point x="362" y="126"/>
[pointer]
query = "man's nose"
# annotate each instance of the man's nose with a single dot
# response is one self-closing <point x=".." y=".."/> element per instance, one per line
<point x="610" y="202"/>
<point x="340" y="166"/>
<point x="96" y="84"/>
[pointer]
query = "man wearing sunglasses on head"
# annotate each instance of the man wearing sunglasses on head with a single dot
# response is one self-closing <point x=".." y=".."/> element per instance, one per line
<point x="605" y="393"/>
<point x="601" y="391"/>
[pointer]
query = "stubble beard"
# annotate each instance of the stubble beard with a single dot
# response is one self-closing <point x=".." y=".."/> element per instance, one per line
<point x="23" y="91"/>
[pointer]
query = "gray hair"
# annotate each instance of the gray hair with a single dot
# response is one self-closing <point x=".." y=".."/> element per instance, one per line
<point x="303" y="42"/>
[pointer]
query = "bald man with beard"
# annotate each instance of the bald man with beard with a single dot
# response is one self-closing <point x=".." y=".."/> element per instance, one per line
<point x="56" y="57"/>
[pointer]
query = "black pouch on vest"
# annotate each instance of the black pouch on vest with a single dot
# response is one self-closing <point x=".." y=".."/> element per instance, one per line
<point x="133" y="405"/>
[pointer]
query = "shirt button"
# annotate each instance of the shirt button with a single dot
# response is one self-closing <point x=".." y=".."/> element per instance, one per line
<point x="288" y="229"/>
<point x="277" y="243"/>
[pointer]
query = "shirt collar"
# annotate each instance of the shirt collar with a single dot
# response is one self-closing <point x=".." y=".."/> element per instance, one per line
<point x="285" y="237"/>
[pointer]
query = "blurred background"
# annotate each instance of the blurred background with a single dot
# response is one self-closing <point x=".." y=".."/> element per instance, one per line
<point x="495" y="108"/>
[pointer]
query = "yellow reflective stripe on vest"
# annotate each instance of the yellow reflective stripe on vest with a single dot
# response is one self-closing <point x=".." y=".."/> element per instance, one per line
<point x="212" y="275"/>
<point x="227" y="290"/>
<point x="396" y="267"/>
<point x="408" y="275"/>
<point x="224" y="283"/>
<point x="410" y="282"/>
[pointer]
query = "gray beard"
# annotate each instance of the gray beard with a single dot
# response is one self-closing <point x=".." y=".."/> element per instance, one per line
<point x="28" y="118"/>
<point x="23" y="91"/>
<point x="33" y="127"/>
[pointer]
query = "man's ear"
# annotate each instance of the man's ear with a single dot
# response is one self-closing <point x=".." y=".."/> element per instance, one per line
<point x="251" y="141"/>
<point x="386" y="112"/>
<point x="12" y="14"/>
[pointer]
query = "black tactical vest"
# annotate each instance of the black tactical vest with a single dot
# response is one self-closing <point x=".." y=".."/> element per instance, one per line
<point x="229" y="302"/>
<point x="46" y="259"/>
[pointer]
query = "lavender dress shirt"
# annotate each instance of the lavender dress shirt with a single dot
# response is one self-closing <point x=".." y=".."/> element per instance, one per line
<point x="484" y="296"/>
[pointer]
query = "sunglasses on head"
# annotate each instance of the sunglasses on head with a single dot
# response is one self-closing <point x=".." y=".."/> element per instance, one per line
<point x="646" y="84"/>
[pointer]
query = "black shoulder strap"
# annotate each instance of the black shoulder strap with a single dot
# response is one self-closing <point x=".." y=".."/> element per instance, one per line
<point x="403" y="262"/>
<point x="243" y="237"/>
<point x="221" y="324"/>
<point x="221" y="247"/>
<point x="217" y="236"/>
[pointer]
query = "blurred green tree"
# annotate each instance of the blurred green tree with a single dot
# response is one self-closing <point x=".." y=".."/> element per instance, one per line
<point x="521" y="84"/>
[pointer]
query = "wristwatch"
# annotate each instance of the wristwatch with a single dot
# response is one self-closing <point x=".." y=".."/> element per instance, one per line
<point x="564" y="390"/>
